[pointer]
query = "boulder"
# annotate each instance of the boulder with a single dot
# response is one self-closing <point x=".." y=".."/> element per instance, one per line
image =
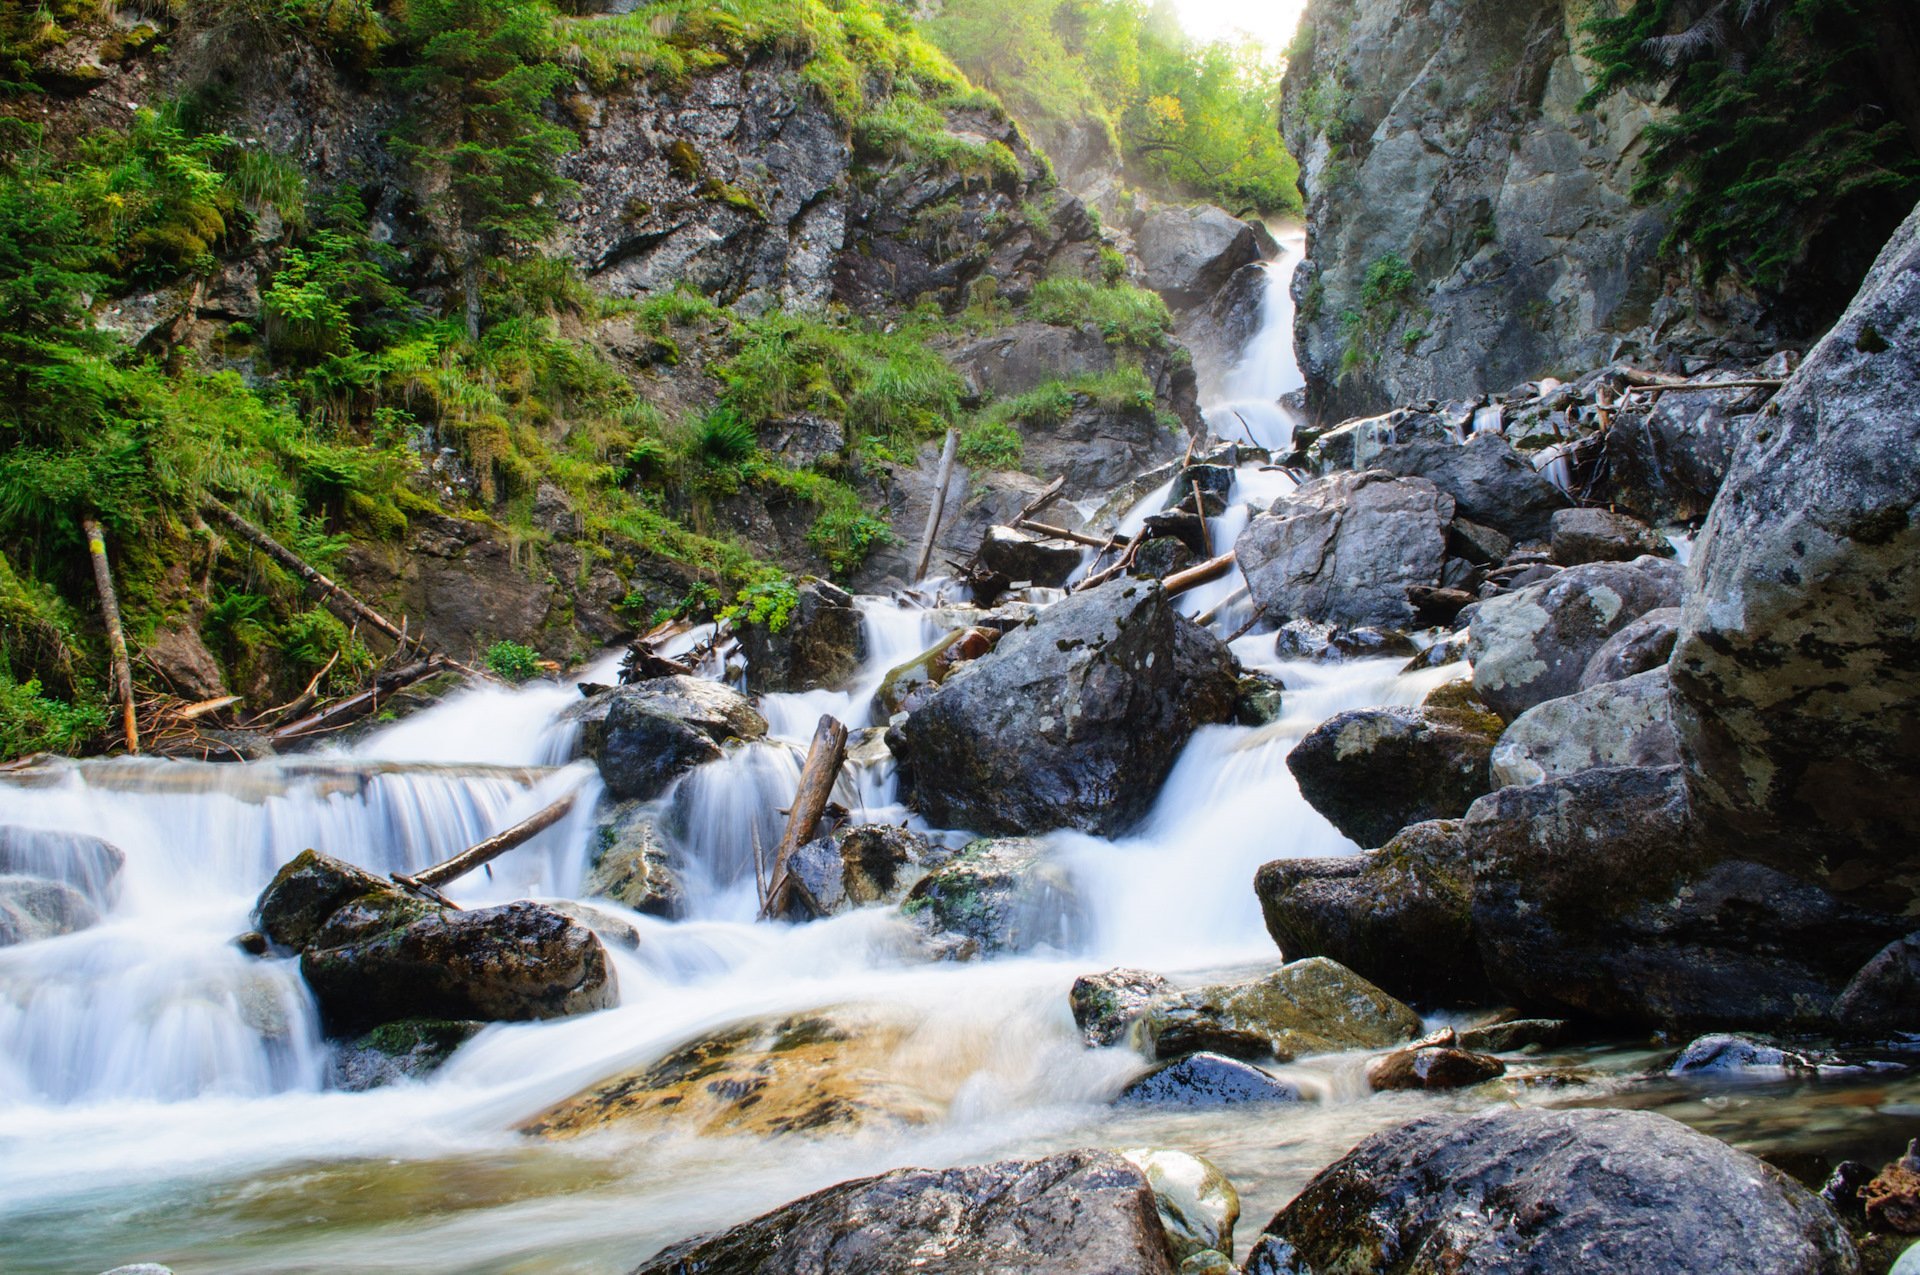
<point x="183" y="661"/>
<point x="1106" y="1005"/>
<point x="613" y="929"/>
<point x="1354" y="444"/>
<point x="1078" y="1213"/>
<point x="1432" y="1067"/>
<point x="1309" y="640"/>
<point x="34" y="908"/>
<point x="1401" y="916"/>
<point x="1665" y="463"/>
<point x="1796" y="677"/>
<point x="1035" y="559"/>
<point x="1205" y="1081"/>
<point x="877" y="859"/>
<point x="86" y="863"/>
<point x="1373" y="771"/>
<point x="714" y="709"/>
<point x="1728" y="1055"/>
<point x="1516" y="1034"/>
<point x="1313" y="1006"/>
<point x="513" y="963"/>
<point x="1625" y="723"/>
<point x="392" y="1052"/>
<point x="1600" y="535"/>
<point x="1343" y="549"/>
<point x="1645" y="644"/>
<point x="828" y="1071"/>
<point x="307" y="891"/>
<point x="998" y="896"/>
<point x="1073" y="720"/>
<point x="1489" y="482"/>
<point x="1188" y="254"/>
<point x="1533" y="645"/>
<point x="820" y="645"/>
<point x="1161" y="557"/>
<point x="631" y="863"/>
<point x="1883" y="998"/>
<point x="1198" y="1206"/>
<point x="642" y="751"/>
<point x="1524" y="1192"/>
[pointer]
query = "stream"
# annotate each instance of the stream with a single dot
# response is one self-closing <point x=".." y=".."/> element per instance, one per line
<point x="163" y="1096"/>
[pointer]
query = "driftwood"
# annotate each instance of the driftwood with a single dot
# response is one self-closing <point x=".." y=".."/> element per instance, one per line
<point x="1119" y="564"/>
<point x="337" y="715"/>
<point x="1212" y="613"/>
<point x="938" y="505"/>
<point x="487" y="851"/>
<point x="1200" y="512"/>
<point x="824" y="755"/>
<point x="1061" y="533"/>
<point x="116" y="636"/>
<point x="1045" y="498"/>
<point x="1212" y="569"/>
<point x="193" y="712"/>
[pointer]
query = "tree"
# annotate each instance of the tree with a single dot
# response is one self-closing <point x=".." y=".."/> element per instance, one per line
<point x="488" y="66"/>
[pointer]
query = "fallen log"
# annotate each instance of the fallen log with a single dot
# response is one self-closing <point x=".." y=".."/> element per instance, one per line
<point x="1119" y="564"/>
<point x="384" y="684"/>
<point x="198" y="710"/>
<point x="1061" y="533"/>
<point x="1212" y="613"/>
<point x="487" y="851"/>
<point x="116" y="636"/>
<point x="1200" y="511"/>
<point x="1045" y="498"/>
<point x="1212" y="569"/>
<point x="938" y="505"/>
<point x="824" y="755"/>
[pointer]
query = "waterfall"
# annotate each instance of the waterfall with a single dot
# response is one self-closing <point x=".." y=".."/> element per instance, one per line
<point x="1247" y="407"/>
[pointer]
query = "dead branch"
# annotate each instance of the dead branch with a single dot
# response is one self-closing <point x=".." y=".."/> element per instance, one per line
<point x="824" y="755"/>
<point x="487" y="851"/>
<point x="116" y="636"/>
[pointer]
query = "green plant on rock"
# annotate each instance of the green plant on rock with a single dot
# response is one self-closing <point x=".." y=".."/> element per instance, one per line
<point x="512" y="662"/>
<point x="991" y="444"/>
<point x="1386" y="290"/>
<point x="769" y="602"/>
<point x="31" y="722"/>
<point x="1126" y="315"/>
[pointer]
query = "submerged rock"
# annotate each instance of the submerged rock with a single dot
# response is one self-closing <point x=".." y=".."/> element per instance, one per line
<point x="1739" y="1055"/>
<point x="996" y="897"/>
<point x="1306" y="1007"/>
<point x="1533" y="645"/>
<point x="1373" y="771"/>
<point x="1432" y="1067"/>
<point x="1197" y="1205"/>
<point x="1078" y="1213"/>
<point x="1624" y="723"/>
<point x="1343" y="549"/>
<point x="821" y="644"/>
<point x="1516" y="1034"/>
<point x="34" y="908"/>
<point x="1204" y="1081"/>
<point x="393" y="1052"/>
<point x="631" y="863"/>
<point x="1074" y="720"/>
<point x="86" y="863"/>
<point x="1547" y="1192"/>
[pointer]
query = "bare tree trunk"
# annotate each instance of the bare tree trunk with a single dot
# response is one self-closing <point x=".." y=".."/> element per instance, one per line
<point x="939" y="505"/>
<point x="492" y="848"/>
<point x="824" y="755"/>
<point x="366" y="701"/>
<point x="116" y="636"/>
<point x="470" y="282"/>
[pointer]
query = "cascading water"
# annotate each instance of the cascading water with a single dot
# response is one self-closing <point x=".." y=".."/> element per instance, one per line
<point x="1246" y="407"/>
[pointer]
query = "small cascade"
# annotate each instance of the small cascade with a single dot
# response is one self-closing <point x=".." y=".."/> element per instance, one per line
<point x="1247" y="408"/>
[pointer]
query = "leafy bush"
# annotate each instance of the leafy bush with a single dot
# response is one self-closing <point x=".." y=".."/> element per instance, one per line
<point x="768" y="602"/>
<point x="31" y="722"/>
<point x="991" y="444"/>
<point x="1125" y="315"/>
<point x="512" y="662"/>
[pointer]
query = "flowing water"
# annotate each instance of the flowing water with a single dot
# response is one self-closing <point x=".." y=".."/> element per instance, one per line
<point x="163" y="1097"/>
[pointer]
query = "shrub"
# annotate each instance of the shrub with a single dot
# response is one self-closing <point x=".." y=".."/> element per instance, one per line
<point x="991" y="444"/>
<point x="512" y="662"/>
<point x="30" y="722"/>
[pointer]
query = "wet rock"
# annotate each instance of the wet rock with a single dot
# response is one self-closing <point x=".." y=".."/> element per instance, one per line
<point x="612" y="930"/>
<point x="998" y="896"/>
<point x="34" y="908"/>
<point x="830" y="1071"/>
<point x="821" y="645"/>
<point x="1489" y="482"/>
<point x="876" y="860"/>
<point x="1624" y="723"/>
<point x="1515" y="1035"/>
<point x="1074" y="720"/>
<point x="1305" y="1007"/>
<point x="907" y="686"/>
<point x="1796" y="679"/>
<point x="1884" y="997"/>
<point x="392" y="1052"/>
<point x="631" y="863"/>
<point x="1373" y="771"/>
<point x="1644" y="645"/>
<point x="1197" y="1205"/>
<point x="1354" y="444"/>
<point x="1552" y="1191"/>
<point x="1262" y="698"/>
<point x="305" y="893"/>
<point x="1188" y="254"/>
<point x="1600" y="535"/>
<point x="88" y="864"/>
<point x="1161" y="557"/>
<point x="1106" y="1005"/>
<point x="714" y="709"/>
<point x="1533" y="645"/>
<point x="1309" y="640"/>
<point x="1205" y="1081"/>
<point x="1037" y="560"/>
<point x="1432" y="1067"/>
<point x="1343" y="549"/>
<point x="1079" y="1213"/>
<point x="1400" y="916"/>
<point x="1908" y="1262"/>
<point x="1892" y="1199"/>
<point x="512" y="963"/>
<point x="642" y="751"/>
<point x="1724" y="1055"/>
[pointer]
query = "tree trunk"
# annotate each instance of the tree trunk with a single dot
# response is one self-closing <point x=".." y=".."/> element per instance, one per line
<point x="116" y="636"/>
<point x="365" y="702"/>
<point x="939" y="505"/>
<point x="492" y="848"/>
<point x="824" y="755"/>
<point x="470" y="283"/>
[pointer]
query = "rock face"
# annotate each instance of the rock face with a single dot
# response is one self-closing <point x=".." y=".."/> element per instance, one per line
<point x="1373" y="771"/>
<point x="1081" y="1213"/>
<point x="1624" y="723"/>
<point x="1188" y="254"/>
<point x="1073" y="720"/>
<point x="1533" y="645"/>
<point x="1491" y="484"/>
<point x="1305" y="1007"/>
<point x="821" y="645"/>
<point x="1600" y="535"/>
<point x="1449" y="139"/>
<point x="1797" y="672"/>
<point x="1343" y="549"/>
<point x="1544" y="1192"/>
<point x="996" y="897"/>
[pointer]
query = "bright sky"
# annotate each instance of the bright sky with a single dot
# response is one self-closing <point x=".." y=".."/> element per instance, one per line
<point x="1271" y="22"/>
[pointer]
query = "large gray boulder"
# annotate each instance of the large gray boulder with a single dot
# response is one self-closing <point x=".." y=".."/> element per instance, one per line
<point x="1533" y="645"/>
<point x="1644" y="645"/>
<point x="820" y="645"/>
<point x="1354" y="444"/>
<point x="646" y="735"/>
<point x="1078" y="1213"/>
<point x="1373" y="771"/>
<point x="1796" y="677"/>
<point x="1073" y="720"/>
<point x="1343" y="550"/>
<point x="1490" y="483"/>
<point x="1519" y="1192"/>
<point x="1601" y="535"/>
<point x="1188" y="254"/>
<point x="1624" y="723"/>
<point x="1665" y="463"/>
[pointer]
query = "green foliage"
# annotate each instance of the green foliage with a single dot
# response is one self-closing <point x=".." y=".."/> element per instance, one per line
<point x="991" y="444"/>
<point x="512" y="662"/>
<point x="31" y="722"/>
<point x="1386" y="290"/>
<point x="314" y="638"/>
<point x="1790" y="154"/>
<point x="902" y="127"/>
<point x="1125" y="315"/>
<point x="154" y="197"/>
<point x="768" y="602"/>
